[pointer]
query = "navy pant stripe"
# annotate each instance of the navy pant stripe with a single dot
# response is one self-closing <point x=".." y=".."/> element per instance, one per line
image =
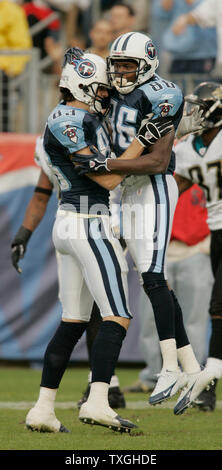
<point x="157" y="199"/>
<point x="118" y="274"/>
<point x="168" y="217"/>
<point x="102" y="268"/>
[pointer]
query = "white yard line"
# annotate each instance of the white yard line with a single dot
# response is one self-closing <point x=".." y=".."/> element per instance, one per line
<point x="133" y="405"/>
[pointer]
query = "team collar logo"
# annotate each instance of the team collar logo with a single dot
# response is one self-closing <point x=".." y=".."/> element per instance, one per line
<point x="150" y="50"/>
<point x="84" y="67"/>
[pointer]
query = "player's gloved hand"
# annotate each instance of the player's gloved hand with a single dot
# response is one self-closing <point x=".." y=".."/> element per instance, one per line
<point x="90" y="163"/>
<point x="18" y="246"/>
<point x="191" y="123"/>
<point x="151" y="131"/>
<point x="71" y="54"/>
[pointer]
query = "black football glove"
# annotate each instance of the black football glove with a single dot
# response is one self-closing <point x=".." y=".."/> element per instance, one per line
<point x="96" y="163"/>
<point x="151" y="131"/>
<point x="71" y="54"/>
<point x="18" y="246"/>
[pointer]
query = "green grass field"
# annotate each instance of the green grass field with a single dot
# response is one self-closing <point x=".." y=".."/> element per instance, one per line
<point x="158" y="428"/>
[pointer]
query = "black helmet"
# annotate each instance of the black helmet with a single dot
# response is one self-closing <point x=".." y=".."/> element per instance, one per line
<point x="208" y="96"/>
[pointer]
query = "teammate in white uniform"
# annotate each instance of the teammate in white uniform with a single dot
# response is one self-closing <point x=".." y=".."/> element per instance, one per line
<point x="38" y="205"/>
<point x="149" y="201"/>
<point x="199" y="161"/>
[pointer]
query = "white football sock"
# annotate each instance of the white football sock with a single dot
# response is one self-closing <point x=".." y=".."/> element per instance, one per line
<point x="114" y="381"/>
<point x="187" y="359"/>
<point x="47" y="398"/>
<point x="98" y="397"/>
<point x="215" y="365"/>
<point x="169" y="354"/>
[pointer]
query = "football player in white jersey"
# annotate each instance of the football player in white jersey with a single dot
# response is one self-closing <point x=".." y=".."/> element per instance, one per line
<point x="199" y="159"/>
<point x="149" y="200"/>
<point x="35" y="212"/>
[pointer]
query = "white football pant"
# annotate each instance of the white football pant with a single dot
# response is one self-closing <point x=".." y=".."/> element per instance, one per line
<point x="91" y="266"/>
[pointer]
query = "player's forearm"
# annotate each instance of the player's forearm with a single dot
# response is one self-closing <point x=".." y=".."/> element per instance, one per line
<point x="107" y="181"/>
<point x="145" y="165"/>
<point x="110" y="181"/>
<point x="190" y="19"/>
<point x="152" y="163"/>
<point x="133" y="152"/>
<point x="167" y="4"/>
<point x="35" y="212"/>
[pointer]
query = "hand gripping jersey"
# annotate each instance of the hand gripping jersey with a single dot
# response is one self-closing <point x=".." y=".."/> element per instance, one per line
<point x="68" y="130"/>
<point x="157" y="97"/>
<point x="202" y="165"/>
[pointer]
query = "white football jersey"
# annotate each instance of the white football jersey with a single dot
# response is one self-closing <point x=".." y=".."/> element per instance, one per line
<point x="204" y="167"/>
<point x="41" y="159"/>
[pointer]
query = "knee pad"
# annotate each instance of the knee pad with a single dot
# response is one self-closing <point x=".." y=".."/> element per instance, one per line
<point x="153" y="281"/>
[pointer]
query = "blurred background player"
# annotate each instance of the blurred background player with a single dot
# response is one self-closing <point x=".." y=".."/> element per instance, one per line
<point x="199" y="161"/>
<point x="207" y="14"/>
<point x="101" y="37"/>
<point x="14" y="35"/>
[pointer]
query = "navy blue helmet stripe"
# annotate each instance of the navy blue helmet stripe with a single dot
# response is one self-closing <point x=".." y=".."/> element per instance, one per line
<point x="116" y="43"/>
<point x="126" y="41"/>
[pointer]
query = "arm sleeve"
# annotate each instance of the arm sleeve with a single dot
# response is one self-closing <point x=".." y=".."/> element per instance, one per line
<point x="206" y="13"/>
<point x="70" y="136"/>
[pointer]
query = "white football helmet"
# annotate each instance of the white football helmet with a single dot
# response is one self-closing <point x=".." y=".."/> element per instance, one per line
<point x="83" y="76"/>
<point x="138" y="47"/>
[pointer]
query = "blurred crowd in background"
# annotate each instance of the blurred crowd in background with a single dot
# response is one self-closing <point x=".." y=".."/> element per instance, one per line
<point x="51" y="26"/>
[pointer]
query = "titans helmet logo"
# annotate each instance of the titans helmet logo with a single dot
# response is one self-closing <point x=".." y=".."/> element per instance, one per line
<point x="150" y="50"/>
<point x="86" y="69"/>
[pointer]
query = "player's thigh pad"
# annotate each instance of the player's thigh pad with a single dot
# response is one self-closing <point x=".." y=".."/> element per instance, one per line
<point x="147" y="221"/>
<point x="74" y="294"/>
<point x="101" y="261"/>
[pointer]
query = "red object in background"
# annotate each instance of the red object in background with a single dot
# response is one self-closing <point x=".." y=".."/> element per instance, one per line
<point x="40" y="13"/>
<point x="16" y="151"/>
<point x="189" y="224"/>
